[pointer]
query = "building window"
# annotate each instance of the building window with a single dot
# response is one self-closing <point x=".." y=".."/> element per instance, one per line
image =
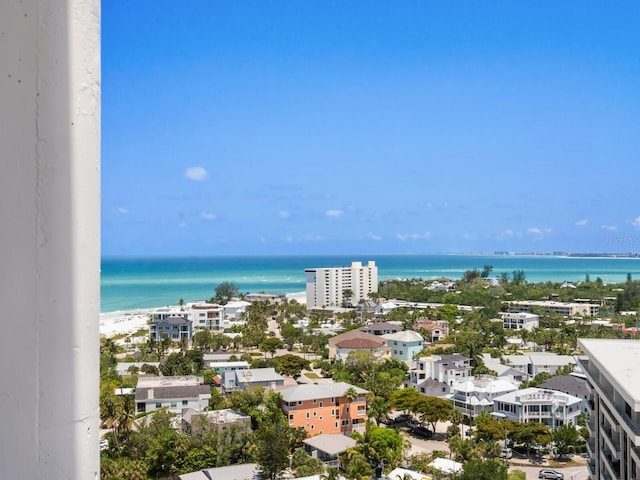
<point x="315" y="401"/>
<point x="185" y="402"/>
<point x="313" y="427"/>
<point x="315" y="414"/>
<point x="158" y="405"/>
<point x="307" y="414"/>
<point x="336" y="425"/>
<point x="174" y="404"/>
<point x="345" y="422"/>
<point x="299" y="402"/>
<point x="320" y="404"/>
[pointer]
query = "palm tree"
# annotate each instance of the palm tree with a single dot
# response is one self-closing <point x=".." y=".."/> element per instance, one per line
<point x="331" y="474"/>
<point x="351" y="394"/>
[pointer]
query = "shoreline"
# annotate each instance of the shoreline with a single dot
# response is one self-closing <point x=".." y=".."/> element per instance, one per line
<point x="126" y="322"/>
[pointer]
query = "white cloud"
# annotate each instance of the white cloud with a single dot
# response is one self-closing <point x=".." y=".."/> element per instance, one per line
<point x="182" y="224"/>
<point x="208" y="216"/>
<point x="611" y="228"/>
<point x="429" y="205"/>
<point x="538" y="231"/>
<point x="314" y="238"/>
<point x="470" y="236"/>
<point x="284" y="214"/>
<point x="636" y="222"/>
<point x="123" y="210"/>
<point x="373" y="236"/>
<point x="334" y="213"/>
<point x="413" y="236"/>
<point x="508" y="232"/>
<point x="581" y="223"/>
<point x="196" y="173"/>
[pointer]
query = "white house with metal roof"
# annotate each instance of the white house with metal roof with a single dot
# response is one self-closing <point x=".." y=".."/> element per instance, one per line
<point x="476" y="394"/>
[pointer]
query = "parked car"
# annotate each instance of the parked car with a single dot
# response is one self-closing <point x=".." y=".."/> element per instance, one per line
<point x="104" y="444"/>
<point x="401" y="419"/>
<point x="552" y="474"/>
<point x="506" y="453"/>
<point x="423" y="432"/>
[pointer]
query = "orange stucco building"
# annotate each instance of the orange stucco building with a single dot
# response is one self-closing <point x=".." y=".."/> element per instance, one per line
<point x="325" y="408"/>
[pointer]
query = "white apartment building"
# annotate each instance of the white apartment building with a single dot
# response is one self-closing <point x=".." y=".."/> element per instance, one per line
<point x="549" y="407"/>
<point x="611" y="368"/>
<point x="520" y="320"/>
<point x="325" y="286"/>
<point x="566" y="309"/>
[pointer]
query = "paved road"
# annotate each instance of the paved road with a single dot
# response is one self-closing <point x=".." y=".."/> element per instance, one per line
<point x="418" y="445"/>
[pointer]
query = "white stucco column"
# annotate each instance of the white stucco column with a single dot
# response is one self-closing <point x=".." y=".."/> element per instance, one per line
<point x="49" y="238"/>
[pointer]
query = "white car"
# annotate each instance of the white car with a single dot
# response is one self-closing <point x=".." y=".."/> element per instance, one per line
<point x="104" y="444"/>
<point x="506" y="453"/>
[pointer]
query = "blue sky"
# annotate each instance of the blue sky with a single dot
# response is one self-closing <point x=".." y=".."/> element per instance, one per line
<point x="313" y="127"/>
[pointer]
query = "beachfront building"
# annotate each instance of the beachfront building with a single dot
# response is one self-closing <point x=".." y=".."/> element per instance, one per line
<point x="326" y="286"/>
<point x="566" y="309"/>
<point x="549" y="407"/>
<point x="476" y="394"/>
<point x="520" y="320"/>
<point x="328" y="408"/>
<point x="274" y="298"/>
<point x="173" y="393"/>
<point x="175" y="328"/>
<point x="404" y="346"/>
<point x="610" y="367"/>
<point x="243" y="379"/>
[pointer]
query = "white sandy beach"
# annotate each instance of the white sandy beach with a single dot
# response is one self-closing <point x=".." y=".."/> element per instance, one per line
<point x="117" y="323"/>
<point x="127" y="322"/>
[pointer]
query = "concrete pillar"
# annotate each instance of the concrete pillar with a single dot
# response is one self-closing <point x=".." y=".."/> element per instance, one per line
<point x="49" y="238"/>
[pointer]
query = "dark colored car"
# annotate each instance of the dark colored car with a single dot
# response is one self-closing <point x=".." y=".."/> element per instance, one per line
<point x="550" y="474"/>
<point x="423" y="432"/>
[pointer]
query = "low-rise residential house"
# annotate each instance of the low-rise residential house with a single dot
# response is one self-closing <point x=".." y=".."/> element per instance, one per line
<point x="476" y="394"/>
<point x="432" y="388"/>
<point x="574" y="385"/>
<point x="381" y="328"/>
<point x="520" y="321"/>
<point x="537" y="362"/>
<point x="328" y="447"/>
<point x="206" y="316"/>
<point x="175" y="328"/>
<point x="565" y="309"/>
<point x="174" y="393"/>
<point x="437" y="329"/>
<point x="220" y="420"/>
<point x="437" y="286"/>
<point x="222" y="367"/>
<point x="378" y="348"/>
<point x="549" y="407"/>
<point x="504" y="371"/>
<point x="365" y="341"/>
<point x="267" y="378"/>
<point x="325" y="408"/>
<point x="274" y="298"/>
<point x="444" y="369"/>
<point x="404" y="346"/>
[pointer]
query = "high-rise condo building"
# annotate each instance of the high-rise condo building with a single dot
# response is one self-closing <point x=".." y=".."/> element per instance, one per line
<point x="326" y="287"/>
<point x="611" y="368"/>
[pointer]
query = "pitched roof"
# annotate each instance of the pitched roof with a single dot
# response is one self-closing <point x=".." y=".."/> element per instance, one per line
<point x="172" y="321"/>
<point x="311" y="391"/>
<point x="569" y="384"/>
<point x="404" y="336"/>
<point x="360" y="343"/>
<point x="331" y="444"/>
<point x="351" y="334"/>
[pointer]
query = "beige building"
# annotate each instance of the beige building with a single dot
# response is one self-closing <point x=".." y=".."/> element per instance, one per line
<point x="326" y="286"/>
<point x="566" y="309"/>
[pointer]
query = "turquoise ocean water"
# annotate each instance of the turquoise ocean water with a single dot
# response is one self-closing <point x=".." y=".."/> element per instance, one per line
<point x="138" y="283"/>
